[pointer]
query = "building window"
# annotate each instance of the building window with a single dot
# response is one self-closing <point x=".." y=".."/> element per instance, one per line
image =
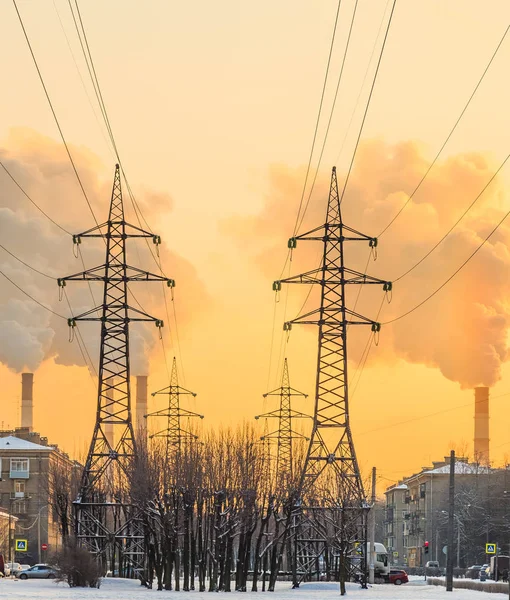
<point x="19" y="489"/>
<point x="422" y="490"/>
<point x="19" y="508"/>
<point x="19" y="468"/>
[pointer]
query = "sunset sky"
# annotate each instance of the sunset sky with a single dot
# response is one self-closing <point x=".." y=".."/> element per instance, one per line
<point x="213" y="108"/>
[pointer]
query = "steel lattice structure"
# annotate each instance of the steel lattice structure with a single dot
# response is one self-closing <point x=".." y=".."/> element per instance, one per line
<point x="284" y="434"/>
<point x="331" y="510"/>
<point x="107" y="523"/>
<point x="174" y="433"/>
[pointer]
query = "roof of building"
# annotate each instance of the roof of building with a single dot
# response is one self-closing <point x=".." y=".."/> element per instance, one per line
<point x="13" y="443"/>
<point x="401" y="486"/>
<point x="461" y="468"/>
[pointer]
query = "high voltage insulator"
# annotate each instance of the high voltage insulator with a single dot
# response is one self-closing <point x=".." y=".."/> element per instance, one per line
<point x="107" y="523"/>
<point x="331" y="459"/>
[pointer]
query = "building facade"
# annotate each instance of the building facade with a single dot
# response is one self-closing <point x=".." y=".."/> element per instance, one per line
<point x="26" y="465"/>
<point x="417" y="507"/>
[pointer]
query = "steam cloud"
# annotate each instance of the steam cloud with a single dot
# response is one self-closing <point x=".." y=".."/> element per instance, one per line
<point x="28" y="333"/>
<point x="463" y="330"/>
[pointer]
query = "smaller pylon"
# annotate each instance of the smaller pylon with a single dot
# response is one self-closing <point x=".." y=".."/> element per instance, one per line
<point x="176" y="436"/>
<point x="284" y="435"/>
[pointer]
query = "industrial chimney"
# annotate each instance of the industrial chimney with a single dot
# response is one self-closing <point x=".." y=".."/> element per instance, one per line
<point x="27" y="400"/>
<point x="481" y="441"/>
<point x="141" y="407"/>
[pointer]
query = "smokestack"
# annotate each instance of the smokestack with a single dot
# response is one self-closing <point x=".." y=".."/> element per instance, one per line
<point x="481" y="442"/>
<point x="141" y="407"/>
<point x="108" y="428"/>
<point x="27" y="400"/>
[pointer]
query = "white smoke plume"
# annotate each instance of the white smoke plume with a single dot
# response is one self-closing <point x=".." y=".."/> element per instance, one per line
<point x="28" y="333"/>
<point x="463" y="330"/>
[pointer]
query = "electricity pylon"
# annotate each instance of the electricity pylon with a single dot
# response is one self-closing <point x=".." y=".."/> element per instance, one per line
<point x="174" y="433"/>
<point x="284" y="435"/>
<point x="331" y="476"/>
<point x="107" y="522"/>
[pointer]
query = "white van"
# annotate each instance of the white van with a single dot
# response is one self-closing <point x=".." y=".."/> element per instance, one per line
<point x="381" y="566"/>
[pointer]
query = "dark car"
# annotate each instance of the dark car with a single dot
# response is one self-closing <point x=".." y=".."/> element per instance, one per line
<point x="473" y="572"/>
<point x="398" y="577"/>
<point x="38" y="572"/>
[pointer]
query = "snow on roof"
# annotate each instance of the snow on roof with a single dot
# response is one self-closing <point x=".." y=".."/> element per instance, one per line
<point x="401" y="486"/>
<point x="461" y="468"/>
<point x="12" y="442"/>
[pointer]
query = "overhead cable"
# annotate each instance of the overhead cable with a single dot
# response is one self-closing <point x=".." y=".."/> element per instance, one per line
<point x="31" y="200"/>
<point x="448" y="136"/>
<point x="346" y="181"/>
<point x="55" y="114"/>
<point x="31" y="297"/>
<point x="318" y="115"/>
<point x="477" y="249"/>
<point x="456" y="223"/>
<point x="330" y="116"/>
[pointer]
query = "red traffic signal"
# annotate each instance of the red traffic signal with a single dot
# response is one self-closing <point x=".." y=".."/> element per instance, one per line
<point x="426" y="547"/>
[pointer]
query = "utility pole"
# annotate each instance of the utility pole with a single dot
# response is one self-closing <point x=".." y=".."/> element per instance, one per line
<point x="107" y="523"/>
<point x="331" y="469"/>
<point x="371" y="532"/>
<point x="451" y="523"/>
<point x="284" y="435"/>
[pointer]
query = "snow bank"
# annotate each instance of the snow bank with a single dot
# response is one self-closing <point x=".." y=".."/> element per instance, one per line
<point x="126" y="589"/>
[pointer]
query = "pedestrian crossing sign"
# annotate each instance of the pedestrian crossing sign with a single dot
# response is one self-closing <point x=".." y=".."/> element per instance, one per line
<point x="490" y="548"/>
<point x="21" y="545"/>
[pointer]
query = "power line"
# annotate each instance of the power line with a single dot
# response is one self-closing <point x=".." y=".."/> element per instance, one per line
<point x="81" y="32"/>
<point x="455" y="224"/>
<point x="54" y="113"/>
<point x="318" y="114"/>
<point x="448" y="136"/>
<point x="363" y="82"/>
<point x="369" y="100"/>
<point x="330" y="115"/>
<point x="81" y="79"/>
<point x="31" y="297"/>
<point x="479" y="247"/>
<point x="26" y="264"/>
<point x="31" y="200"/>
<point x="79" y="339"/>
<point x="427" y="416"/>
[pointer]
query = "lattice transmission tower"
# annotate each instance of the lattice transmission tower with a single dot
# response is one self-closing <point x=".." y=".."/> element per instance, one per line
<point x="331" y="511"/>
<point x="108" y="524"/>
<point x="176" y="436"/>
<point x="285" y="434"/>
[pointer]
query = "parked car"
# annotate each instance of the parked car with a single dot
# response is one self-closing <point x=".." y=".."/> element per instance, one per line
<point x="473" y="572"/>
<point x="398" y="577"/>
<point x="10" y="568"/>
<point x="432" y="564"/>
<point x="485" y="571"/>
<point x="39" y="572"/>
<point x="17" y="572"/>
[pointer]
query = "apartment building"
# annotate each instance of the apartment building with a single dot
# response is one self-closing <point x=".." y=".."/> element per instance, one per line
<point x="26" y="462"/>
<point x="416" y="511"/>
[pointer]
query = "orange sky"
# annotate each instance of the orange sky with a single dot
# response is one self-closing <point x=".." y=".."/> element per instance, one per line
<point x="213" y="112"/>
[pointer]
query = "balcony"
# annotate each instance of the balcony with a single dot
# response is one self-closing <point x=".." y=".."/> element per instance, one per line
<point x="19" y="496"/>
<point x="15" y="474"/>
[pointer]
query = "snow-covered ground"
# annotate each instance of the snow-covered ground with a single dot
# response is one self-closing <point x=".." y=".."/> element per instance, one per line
<point x="125" y="589"/>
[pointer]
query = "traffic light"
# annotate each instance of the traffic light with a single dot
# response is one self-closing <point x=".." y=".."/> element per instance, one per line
<point x="426" y="547"/>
